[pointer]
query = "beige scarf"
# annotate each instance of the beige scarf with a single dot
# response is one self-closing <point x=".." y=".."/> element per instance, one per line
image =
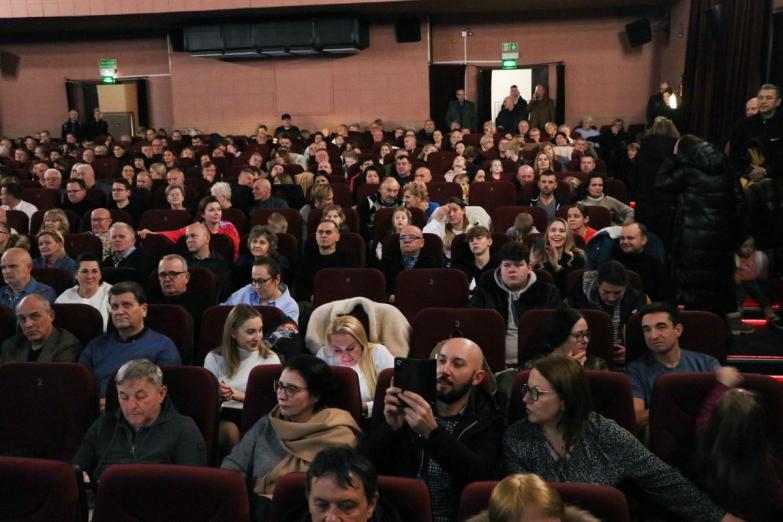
<point x="303" y="441"/>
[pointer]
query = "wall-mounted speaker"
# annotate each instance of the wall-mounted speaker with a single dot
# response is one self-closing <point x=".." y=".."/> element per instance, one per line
<point x="638" y="32"/>
<point x="9" y="65"/>
<point x="407" y="30"/>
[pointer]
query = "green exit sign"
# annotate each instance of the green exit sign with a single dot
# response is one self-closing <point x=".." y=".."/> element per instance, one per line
<point x="508" y="64"/>
<point x="510" y="47"/>
<point x="108" y="79"/>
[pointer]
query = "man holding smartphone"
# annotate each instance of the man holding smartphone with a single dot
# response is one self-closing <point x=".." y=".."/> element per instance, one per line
<point x="448" y="444"/>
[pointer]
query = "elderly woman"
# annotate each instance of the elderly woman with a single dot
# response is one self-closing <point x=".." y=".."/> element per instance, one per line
<point x="414" y="195"/>
<point x="243" y="348"/>
<point x="90" y="288"/>
<point x="52" y="249"/>
<point x="563" y="440"/>
<point x="348" y="346"/>
<point x="55" y="219"/>
<point x="289" y="437"/>
<point x="175" y="197"/>
<point x="222" y="191"/>
<point x="261" y="242"/>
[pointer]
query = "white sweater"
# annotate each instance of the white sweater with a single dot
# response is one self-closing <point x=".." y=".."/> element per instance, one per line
<point x="248" y="360"/>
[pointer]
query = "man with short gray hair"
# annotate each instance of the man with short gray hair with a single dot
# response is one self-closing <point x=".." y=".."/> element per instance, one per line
<point x="39" y="340"/>
<point x="146" y="429"/>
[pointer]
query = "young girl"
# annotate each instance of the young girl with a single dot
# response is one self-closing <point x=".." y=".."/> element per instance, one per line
<point x="336" y="214"/>
<point x="751" y="270"/>
<point x="400" y="218"/>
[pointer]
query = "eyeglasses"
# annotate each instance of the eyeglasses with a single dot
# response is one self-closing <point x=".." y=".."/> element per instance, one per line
<point x="409" y="238"/>
<point x="169" y="275"/>
<point x="289" y="390"/>
<point x="582" y="335"/>
<point x="535" y="393"/>
<point x="259" y="282"/>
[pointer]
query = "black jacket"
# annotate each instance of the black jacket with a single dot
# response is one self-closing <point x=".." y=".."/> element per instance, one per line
<point x="489" y="295"/>
<point x="471" y="454"/>
<point x="653" y="207"/>
<point x="508" y="121"/>
<point x="391" y="266"/>
<point x="707" y="227"/>
<point x="171" y="439"/>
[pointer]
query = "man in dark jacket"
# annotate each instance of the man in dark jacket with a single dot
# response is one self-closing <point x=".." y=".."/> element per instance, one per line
<point x="510" y="115"/>
<point x="448" y="445"/>
<point x="145" y="430"/>
<point x="513" y="289"/>
<point x="409" y="255"/>
<point x="463" y="112"/>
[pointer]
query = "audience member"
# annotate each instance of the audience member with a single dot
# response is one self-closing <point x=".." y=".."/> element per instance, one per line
<point x="463" y="112"/>
<point x="17" y="266"/>
<point x="562" y="255"/>
<point x="454" y="218"/>
<point x="655" y="276"/>
<point x="266" y="288"/>
<point x="199" y="254"/>
<point x="76" y="198"/>
<point x="752" y="270"/>
<point x="51" y="246"/>
<point x="541" y="108"/>
<point x="262" y="196"/>
<point x="323" y="253"/>
<point x="122" y="199"/>
<point x="90" y="288"/>
<point x="174" y="288"/>
<point x="579" y="222"/>
<point x="100" y="221"/>
<point x="11" y="196"/>
<point x="594" y="196"/>
<point x="409" y="255"/>
<point x="414" y="195"/>
<point x="125" y="253"/>
<point x="480" y="258"/>
<point x="39" y="340"/>
<point x="566" y="332"/>
<point x="386" y="197"/>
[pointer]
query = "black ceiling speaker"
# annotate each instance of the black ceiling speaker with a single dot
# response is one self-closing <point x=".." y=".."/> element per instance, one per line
<point x="638" y="32"/>
<point x="407" y="30"/>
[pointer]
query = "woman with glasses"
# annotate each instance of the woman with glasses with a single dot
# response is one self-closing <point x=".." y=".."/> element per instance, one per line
<point x="563" y="440"/>
<point x="348" y="346"/>
<point x="243" y="348"/>
<point x="567" y="333"/>
<point x="291" y="435"/>
<point x="90" y="288"/>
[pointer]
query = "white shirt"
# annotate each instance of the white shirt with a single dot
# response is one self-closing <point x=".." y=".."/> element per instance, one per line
<point x="99" y="301"/>
<point x="381" y="358"/>
<point x="247" y="361"/>
<point x="24" y="206"/>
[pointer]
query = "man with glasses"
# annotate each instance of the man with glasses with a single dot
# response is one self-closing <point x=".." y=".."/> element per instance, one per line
<point x="173" y="279"/>
<point x="100" y="221"/>
<point x="39" y="340"/>
<point x="449" y="443"/>
<point x="121" y="199"/>
<point x="512" y="289"/>
<point x="76" y="197"/>
<point x="408" y="256"/>
<point x="266" y="288"/>
<point x="323" y="253"/>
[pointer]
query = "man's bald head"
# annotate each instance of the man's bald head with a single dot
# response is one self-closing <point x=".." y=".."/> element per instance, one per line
<point x="16" y="265"/>
<point x="751" y="107"/>
<point x="35" y="318"/>
<point x="466" y="350"/>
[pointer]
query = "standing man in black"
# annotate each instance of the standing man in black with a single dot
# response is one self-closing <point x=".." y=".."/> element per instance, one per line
<point x="72" y="126"/>
<point x="655" y="103"/>
<point x="463" y="112"/>
<point x="510" y="115"/>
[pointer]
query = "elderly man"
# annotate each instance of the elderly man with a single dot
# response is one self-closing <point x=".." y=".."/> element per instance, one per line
<point x="386" y="197"/>
<point x="200" y="255"/>
<point x="39" y="340"/>
<point x="266" y="288"/>
<point x="262" y="196"/>
<point x="124" y="252"/>
<point x="87" y="173"/>
<point x="52" y="179"/>
<point x="448" y="444"/>
<point x="174" y="279"/>
<point x="462" y="112"/>
<point x="408" y="256"/>
<point x="131" y="340"/>
<point x="751" y="107"/>
<point x="11" y="196"/>
<point x="513" y="289"/>
<point x="17" y="266"/>
<point x="100" y="221"/>
<point x="73" y="126"/>
<point x="510" y="115"/>
<point x="145" y="429"/>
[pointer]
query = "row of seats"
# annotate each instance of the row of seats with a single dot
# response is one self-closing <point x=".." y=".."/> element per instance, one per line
<point x="54" y="403"/>
<point x="39" y="490"/>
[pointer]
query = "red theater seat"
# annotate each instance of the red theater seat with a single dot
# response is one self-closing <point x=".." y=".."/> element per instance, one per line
<point x="39" y="490"/>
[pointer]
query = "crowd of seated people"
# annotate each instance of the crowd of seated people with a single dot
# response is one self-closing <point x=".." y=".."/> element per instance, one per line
<point x="195" y="221"/>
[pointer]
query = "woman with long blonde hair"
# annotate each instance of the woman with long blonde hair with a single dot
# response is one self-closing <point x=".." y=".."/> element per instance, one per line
<point x="349" y="346"/>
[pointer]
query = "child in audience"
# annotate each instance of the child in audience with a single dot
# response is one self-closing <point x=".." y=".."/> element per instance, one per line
<point x="400" y="217"/>
<point x="336" y="214"/>
<point x="463" y="180"/>
<point x="277" y="223"/>
<point x="751" y="271"/>
<point x="523" y="225"/>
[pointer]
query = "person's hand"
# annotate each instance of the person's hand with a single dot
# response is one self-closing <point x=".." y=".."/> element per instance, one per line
<point x="580" y="357"/>
<point x="728" y="376"/>
<point x="756" y="173"/>
<point x="440" y="213"/>
<point x="144" y="232"/>
<point x="276" y="171"/>
<point x="85" y="477"/>
<point x="392" y="410"/>
<point x="226" y="391"/>
<point x="551" y="255"/>
<point x="618" y="354"/>
<point x="231" y="149"/>
<point x="418" y="414"/>
<point x="237" y="395"/>
<point x="728" y="517"/>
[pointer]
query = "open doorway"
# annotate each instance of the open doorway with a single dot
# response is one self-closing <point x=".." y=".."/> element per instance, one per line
<point x="445" y="79"/>
<point x="124" y="104"/>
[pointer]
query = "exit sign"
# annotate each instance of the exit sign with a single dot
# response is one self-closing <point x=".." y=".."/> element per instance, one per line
<point x="108" y="70"/>
<point x="510" y="47"/>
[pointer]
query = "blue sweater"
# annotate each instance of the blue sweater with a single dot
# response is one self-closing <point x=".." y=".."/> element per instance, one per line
<point x="105" y="354"/>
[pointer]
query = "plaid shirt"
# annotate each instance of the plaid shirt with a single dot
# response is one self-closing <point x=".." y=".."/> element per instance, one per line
<point x="444" y="498"/>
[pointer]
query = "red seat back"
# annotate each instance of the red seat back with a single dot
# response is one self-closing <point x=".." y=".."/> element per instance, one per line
<point x="333" y="284"/>
<point x="503" y="217"/>
<point x="430" y="287"/>
<point x="39" y="490"/>
<point x="493" y="195"/>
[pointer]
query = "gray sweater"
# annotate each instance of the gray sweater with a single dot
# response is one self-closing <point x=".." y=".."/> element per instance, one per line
<point x="257" y="453"/>
<point x="606" y="454"/>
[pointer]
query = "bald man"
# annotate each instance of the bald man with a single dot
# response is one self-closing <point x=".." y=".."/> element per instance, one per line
<point x="17" y="266"/>
<point x="39" y="340"/>
<point x="409" y="255"/>
<point x="450" y="444"/>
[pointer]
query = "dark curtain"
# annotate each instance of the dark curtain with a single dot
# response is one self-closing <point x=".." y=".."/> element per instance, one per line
<point x="723" y="64"/>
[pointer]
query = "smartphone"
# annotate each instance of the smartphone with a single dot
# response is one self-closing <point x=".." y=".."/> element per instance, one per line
<point x="416" y="375"/>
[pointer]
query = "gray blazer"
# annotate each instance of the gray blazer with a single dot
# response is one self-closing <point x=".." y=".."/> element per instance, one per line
<point x="60" y="346"/>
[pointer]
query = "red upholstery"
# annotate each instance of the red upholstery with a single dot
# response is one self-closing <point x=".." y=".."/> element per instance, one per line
<point x="57" y="278"/>
<point x="703" y="332"/>
<point x="211" y="327"/>
<point x="43" y="198"/>
<point x="440" y="191"/>
<point x="195" y="393"/>
<point x="616" y="189"/>
<point x="605" y="502"/>
<point x="333" y="284"/>
<point x="382" y="221"/>
<point x="493" y="195"/>
<point x="533" y="322"/>
<point x="82" y="320"/>
<point x="106" y="168"/>
<point x="409" y="496"/>
<point x="292" y="216"/>
<point x="341" y="194"/>
<point x="260" y="398"/>
<point x="7" y="322"/>
<point x="38" y="490"/>
<point x="162" y="492"/>
<point x="503" y="217"/>
<point x="611" y="393"/>
<point x="237" y="217"/>
<point x="164" y="219"/>
<point x="174" y="322"/>
<point x="677" y="400"/>
<point x="484" y="327"/>
<point x="75" y="244"/>
<point x="430" y="287"/>
<point x="157" y="246"/>
<point x="351" y="219"/>
<point x="116" y="275"/>
<point x="18" y="220"/>
<point x="47" y="407"/>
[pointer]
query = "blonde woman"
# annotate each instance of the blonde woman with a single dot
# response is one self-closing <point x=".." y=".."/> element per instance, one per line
<point x="562" y="255"/>
<point x="52" y="249"/>
<point x="414" y="195"/>
<point x="55" y="219"/>
<point x="348" y="346"/>
<point x="243" y="348"/>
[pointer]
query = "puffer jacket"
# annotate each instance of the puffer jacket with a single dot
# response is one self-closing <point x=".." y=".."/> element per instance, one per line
<point x="707" y="226"/>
